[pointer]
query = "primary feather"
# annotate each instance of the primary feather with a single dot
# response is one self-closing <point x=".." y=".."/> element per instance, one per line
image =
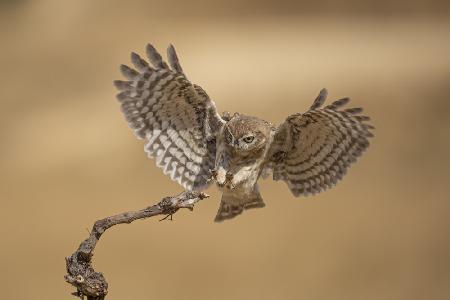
<point x="176" y="118"/>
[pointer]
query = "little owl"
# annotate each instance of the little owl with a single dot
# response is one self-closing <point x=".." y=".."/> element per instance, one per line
<point x="195" y="146"/>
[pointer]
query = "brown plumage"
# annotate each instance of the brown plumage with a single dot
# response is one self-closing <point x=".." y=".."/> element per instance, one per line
<point x="194" y="145"/>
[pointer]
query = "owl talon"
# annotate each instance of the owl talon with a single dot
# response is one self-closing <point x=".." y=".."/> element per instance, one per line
<point x="229" y="181"/>
<point x="212" y="175"/>
<point x="222" y="182"/>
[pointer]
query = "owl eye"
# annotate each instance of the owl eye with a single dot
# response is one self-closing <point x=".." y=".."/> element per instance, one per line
<point x="248" y="139"/>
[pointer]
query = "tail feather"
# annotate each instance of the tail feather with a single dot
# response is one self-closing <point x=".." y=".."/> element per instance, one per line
<point x="232" y="206"/>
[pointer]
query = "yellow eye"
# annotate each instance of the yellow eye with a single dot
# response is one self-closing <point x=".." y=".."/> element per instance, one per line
<point x="248" y="139"/>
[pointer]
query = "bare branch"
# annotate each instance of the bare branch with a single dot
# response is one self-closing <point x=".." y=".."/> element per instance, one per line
<point x="80" y="273"/>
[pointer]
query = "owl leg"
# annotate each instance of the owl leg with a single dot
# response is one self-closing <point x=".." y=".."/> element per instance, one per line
<point x="229" y="181"/>
<point x="212" y="175"/>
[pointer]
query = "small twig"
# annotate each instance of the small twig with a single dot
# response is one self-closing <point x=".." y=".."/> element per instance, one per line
<point x="80" y="273"/>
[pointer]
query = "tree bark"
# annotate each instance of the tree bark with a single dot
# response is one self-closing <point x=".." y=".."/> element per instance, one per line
<point x="80" y="272"/>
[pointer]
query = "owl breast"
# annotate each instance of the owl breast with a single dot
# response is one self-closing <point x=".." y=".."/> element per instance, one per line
<point x="241" y="151"/>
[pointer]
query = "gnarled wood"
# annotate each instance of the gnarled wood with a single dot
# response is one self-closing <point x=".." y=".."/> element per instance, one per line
<point x="80" y="272"/>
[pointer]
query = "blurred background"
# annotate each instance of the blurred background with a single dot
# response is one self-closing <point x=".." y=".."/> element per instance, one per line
<point x="68" y="157"/>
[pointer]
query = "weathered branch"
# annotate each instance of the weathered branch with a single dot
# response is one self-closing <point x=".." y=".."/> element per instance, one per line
<point x="80" y="272"/>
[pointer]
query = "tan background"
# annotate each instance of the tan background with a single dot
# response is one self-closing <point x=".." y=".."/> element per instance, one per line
<point x="68" y="158"/>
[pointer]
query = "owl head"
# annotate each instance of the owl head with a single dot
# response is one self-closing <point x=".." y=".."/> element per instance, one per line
<point x="244" y="133"/>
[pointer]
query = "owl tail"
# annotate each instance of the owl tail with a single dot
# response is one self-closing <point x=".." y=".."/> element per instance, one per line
<point x="231" y="206"/>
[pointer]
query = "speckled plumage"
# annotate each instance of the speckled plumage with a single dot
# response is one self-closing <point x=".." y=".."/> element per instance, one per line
<point x="194" y="145"/>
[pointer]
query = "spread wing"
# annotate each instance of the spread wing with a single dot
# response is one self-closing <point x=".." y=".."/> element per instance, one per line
<point x="176" y="118"/>
<point x="312" y="151"/>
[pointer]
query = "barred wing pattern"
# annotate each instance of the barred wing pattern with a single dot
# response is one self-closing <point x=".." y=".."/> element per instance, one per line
<point x="312" y="151"/>
<point x="177" y="118"/>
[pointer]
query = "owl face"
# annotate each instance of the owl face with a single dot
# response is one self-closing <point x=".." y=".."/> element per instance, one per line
<point x="241" y="152"/>
<point x="244" y="133"/>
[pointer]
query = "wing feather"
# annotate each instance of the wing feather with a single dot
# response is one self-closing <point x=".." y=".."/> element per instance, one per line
<point x="173" y="59"/>
<point x="176" y="118"/>
<point x="311" y="152"/>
